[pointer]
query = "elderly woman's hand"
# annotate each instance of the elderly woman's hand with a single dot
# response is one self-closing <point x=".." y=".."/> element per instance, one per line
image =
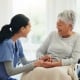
<point x="48" y="64"/>
<point x="46" y="58"/>
<point x="41" y="63"/>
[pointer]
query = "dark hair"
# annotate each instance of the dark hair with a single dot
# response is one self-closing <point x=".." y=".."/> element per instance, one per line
<point x="16" y="23"/>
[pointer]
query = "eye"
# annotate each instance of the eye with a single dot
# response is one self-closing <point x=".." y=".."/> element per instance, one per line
<point x="59" y="25"/>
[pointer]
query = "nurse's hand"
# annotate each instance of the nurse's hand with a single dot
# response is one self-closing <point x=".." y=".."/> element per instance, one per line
<point x="47" y="64"/>
<point x="41" y="63"/>
<point x="38" y="63"/>
<point x="52" y="64"/>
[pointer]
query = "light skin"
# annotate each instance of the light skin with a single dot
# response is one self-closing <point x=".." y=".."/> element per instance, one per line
<point x="23" y="32"/>
<point x="64" y="30"/>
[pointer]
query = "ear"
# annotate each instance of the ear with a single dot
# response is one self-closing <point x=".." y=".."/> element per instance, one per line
<point x="22" y="28"/>
<point x="71" y="27"/>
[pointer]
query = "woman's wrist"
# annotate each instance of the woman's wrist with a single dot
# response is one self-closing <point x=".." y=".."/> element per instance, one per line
<point x="58" y="63"/>
<point x="38" y="63"/>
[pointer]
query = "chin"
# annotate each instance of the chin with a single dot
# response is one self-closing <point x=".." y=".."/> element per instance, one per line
<point x="25" y="36"/>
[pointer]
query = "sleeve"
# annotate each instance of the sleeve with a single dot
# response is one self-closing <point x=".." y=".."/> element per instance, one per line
<point x="44" y="47"/>
<point x="75" y="54"/>
<point x="24" y="61"/>
<point x="13" y="71"/>
<point x="6" y="52"/>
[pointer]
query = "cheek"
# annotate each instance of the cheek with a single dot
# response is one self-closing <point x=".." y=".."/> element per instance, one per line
<point x="66" y="29"/>
<point x="28" y="30"/>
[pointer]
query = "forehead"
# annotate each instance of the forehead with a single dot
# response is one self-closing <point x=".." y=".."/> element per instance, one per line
<point x="60" y="22"/>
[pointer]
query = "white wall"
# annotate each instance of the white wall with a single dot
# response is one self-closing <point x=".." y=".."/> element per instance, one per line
<point x="53" y="8"/>
<point x="5" y="11"/>
<point x="56" y="6"/>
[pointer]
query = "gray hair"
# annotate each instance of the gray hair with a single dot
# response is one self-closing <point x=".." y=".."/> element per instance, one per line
<point x="68" y="16"/>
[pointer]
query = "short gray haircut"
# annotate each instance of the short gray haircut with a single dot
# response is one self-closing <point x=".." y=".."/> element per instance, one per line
<point x="68" y="16"/>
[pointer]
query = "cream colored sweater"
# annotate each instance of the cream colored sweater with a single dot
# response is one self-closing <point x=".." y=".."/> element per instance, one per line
<point x="65" y="49"/>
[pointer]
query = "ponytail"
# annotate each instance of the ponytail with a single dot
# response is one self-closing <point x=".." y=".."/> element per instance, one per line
<point x="5" y="33"/>
<point x="16" y="23"/>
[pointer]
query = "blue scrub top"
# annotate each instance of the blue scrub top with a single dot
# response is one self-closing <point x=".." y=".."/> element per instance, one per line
<point x="9" y="53"/>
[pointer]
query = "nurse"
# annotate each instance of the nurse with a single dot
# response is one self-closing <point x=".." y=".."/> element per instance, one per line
<point x="11" y="52"/>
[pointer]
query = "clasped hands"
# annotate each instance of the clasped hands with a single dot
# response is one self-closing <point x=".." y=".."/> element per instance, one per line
<point x="47" y="62"/>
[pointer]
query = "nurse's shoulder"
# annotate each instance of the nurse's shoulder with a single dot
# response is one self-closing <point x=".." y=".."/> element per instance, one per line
<point x="7" y="42"/>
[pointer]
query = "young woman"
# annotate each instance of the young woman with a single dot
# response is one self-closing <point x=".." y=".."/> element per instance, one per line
<point x="11" y="52"/>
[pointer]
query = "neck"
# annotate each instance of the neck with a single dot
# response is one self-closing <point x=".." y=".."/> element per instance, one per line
<point x="68" y="35"/>
<point x="15" y="37"/>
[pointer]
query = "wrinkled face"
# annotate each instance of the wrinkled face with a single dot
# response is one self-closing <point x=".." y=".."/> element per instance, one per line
<point x="25" y="30"/>
<point x="63" y="28"/>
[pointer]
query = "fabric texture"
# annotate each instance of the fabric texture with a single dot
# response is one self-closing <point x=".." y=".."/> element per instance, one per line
<point x="65" y="49"/>
<point x="10" y="55"/>
<point x="56" y="73"/>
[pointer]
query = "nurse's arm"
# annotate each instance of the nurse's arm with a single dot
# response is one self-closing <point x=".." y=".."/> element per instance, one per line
<point x="13" y="71"/>
<point x="24" y="61"/>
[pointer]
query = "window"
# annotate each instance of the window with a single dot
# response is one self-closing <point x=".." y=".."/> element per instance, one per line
<point x="36" y="11"/>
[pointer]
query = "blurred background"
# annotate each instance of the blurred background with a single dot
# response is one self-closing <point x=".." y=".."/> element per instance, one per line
<point x="43" y="16"/>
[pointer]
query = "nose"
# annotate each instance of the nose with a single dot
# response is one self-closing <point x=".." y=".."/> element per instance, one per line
<point x="58" y="27"/>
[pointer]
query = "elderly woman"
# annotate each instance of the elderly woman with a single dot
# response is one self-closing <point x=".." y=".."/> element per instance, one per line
<point x="59" y="51"/>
